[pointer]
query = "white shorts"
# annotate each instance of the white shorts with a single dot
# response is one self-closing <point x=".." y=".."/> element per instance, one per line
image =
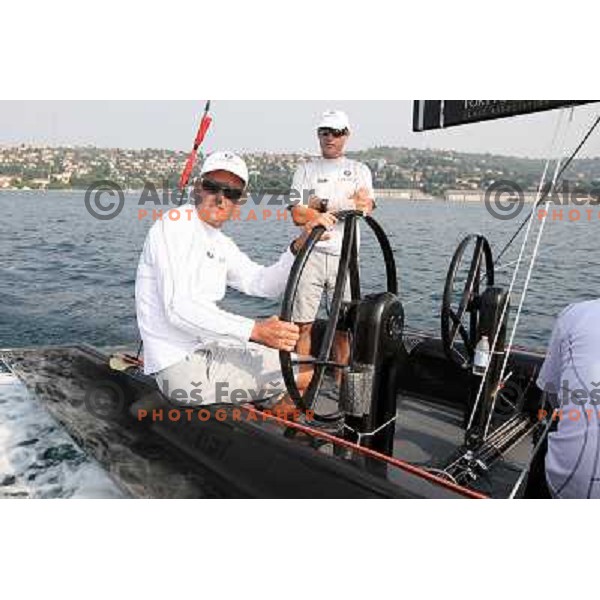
<point x="224" y="374"/>
<point x="319" y="275"/>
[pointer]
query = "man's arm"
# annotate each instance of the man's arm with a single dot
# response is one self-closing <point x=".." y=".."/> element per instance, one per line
<point x="185" y="305"/>
<point x="364" y="198"/>
<point x="549" y="378"/>
<point x="308" y="206"/>
<point x="254" y="279"/>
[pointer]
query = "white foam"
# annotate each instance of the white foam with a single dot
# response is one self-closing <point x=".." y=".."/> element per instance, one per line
<point x="38" y="459"/>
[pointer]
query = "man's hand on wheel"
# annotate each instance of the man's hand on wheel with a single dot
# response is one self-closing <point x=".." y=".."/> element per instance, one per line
<point x="301" y="214"/>
<point x="277" y="334"/>
<point x="362" y="201"/>
<point x="327" y="220"/>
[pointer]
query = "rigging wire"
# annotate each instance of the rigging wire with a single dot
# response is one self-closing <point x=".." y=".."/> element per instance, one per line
<point x="535" y="252"/>
<point x="529" y="273"/>
<point x="517" y="266"/>
<point x="433" y="295"/>
<point x="539" y="199"/>
<point x="550" y="190"/>
<point x="567" y="242"/>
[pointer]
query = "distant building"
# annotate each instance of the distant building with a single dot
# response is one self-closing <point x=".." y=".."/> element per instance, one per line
<point x="62" y="177"/>
<point x="402" y="194"/>
<point x="40" y="182"/>
<point x="479" y="196"/>
<point x="464" y="196"/>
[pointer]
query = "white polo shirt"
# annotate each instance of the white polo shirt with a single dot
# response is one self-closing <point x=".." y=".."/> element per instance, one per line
<point x="183" y="272"/>
<point x="336" y="180"/>
<point x="572" y="369"/>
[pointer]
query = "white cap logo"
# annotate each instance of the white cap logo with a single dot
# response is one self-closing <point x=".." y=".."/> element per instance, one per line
<point x="226" y="161"/>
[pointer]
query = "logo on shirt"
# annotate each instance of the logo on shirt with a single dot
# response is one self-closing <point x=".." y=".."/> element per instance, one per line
<point x="212" y="256"/>
<point x="347" y="172"/>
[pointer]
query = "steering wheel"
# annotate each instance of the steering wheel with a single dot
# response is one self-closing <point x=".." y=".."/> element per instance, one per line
<point x="338" y="315"/>
<point x="453" y="318"/>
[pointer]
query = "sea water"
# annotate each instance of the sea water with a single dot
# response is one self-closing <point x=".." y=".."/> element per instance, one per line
<point x="67" y="277"/>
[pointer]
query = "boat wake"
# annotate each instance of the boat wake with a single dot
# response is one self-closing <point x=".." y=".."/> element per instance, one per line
<point x="38" y="459"/>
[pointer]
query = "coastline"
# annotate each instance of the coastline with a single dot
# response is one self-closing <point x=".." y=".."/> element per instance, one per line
<point x="455" y="196"/>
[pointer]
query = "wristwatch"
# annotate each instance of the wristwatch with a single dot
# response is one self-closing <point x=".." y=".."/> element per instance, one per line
<point x="323" y="205"/>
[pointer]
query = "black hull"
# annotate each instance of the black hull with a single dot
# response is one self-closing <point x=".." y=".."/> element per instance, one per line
<point x="255" y="456"/>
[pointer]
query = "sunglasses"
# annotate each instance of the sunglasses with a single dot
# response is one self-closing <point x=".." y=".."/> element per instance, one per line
<point x="214" y="187"/>
<point x="336" y="133"/>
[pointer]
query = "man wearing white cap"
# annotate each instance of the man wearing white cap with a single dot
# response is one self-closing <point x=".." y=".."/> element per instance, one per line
<point x="332" y="183"/>
<point x="198" y="352"/>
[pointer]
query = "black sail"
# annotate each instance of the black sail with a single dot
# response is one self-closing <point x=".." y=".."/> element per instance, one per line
<point x="439" y="114"/>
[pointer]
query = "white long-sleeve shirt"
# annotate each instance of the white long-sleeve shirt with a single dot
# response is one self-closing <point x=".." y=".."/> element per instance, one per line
<point x="183" y="272"/>
<point x="334" y="179"/>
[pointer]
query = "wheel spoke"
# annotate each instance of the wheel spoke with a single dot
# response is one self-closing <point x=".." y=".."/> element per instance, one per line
<point x="458" y="328"/>
<point x="314" y="361"/>
<point x="323" y="355"/>
<point x="457" y="324"/>
<point x="472" y="283"/>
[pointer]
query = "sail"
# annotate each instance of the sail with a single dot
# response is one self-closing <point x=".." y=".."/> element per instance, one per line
<point x="438" y="114"/>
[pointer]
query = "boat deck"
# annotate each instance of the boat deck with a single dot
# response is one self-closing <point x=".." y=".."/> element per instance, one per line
<point x="428" y="433"/>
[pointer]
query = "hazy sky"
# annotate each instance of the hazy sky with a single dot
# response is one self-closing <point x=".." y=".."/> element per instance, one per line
<point x="270" y="125"/>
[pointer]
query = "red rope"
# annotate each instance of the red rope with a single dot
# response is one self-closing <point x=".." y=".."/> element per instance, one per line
<point x="372" y="453"/>
<point x="361" y="449"/>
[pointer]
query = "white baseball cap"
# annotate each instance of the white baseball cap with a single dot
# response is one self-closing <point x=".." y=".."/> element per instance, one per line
<point x="226" y="161"/>
<point x="334" y="119"/>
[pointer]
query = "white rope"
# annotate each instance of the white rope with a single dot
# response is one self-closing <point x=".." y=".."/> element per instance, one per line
<point x="518" y="265"/>
<point x="566" y="242"/>
<point x="521" y="302"/>
<point x="503" y="267"/>
<point x="442" y="473"/>
<point x="360" y="435"/>
<point x="530" y="269"/>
